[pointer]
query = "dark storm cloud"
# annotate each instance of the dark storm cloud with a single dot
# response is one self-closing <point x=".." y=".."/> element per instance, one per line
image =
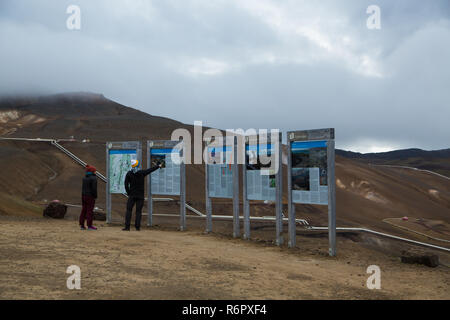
<point x="263" y="64"/>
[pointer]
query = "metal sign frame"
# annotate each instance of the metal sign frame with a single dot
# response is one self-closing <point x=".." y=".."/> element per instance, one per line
<point x="167" y="144"/>
<point x="278" y="187"/>
<point x="327" y="135"/>
<point x="126" y="145"/>
<point x="235" y="177"/>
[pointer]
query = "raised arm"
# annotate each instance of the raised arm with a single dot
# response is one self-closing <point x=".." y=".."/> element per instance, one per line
<point x="150" y="170"/>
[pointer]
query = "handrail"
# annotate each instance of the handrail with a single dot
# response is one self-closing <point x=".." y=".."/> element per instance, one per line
<point x="55" y="143"/>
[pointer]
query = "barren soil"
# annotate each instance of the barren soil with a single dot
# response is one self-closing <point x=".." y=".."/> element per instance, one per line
<point x="162" y="263"/>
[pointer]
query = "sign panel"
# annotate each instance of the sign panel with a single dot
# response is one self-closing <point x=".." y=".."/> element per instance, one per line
<point x="119" y="165"/>
<point x="166" y="181"/>
<point x="261" y="183"/>
<point x="220" y="173"/>
<point x="309" y="173"/>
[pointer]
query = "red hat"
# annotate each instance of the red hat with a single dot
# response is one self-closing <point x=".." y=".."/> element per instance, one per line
<point x="90" y="169"/>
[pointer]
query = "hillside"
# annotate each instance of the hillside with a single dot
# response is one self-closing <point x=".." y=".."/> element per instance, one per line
<point x="437" y="160"/>
<point x="36" y="172"/>
<point x="83" y="115"/>
<point x="166" y="264"/>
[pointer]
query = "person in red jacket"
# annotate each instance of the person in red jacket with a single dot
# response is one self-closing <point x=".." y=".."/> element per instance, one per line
<point x="88" y="196"/>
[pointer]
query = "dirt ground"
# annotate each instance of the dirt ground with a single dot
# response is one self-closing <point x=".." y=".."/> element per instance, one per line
<point x="162" y="263"/>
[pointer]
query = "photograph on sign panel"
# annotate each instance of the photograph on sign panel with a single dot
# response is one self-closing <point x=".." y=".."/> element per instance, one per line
<point x="300" y="169"/>
<point x="156" y="159"/>
<point x="300" y="158"/>
<point x="253" y="158"/>
<point x="272" y="181"/>
<point x="310" y="158"/>
<point x="318" y="159"/>
<point x="300" y="179"/>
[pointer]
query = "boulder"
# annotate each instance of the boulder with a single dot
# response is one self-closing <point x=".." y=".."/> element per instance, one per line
<point x="427" y="259"/>
<point x="55" y="210"/>
<point x="99" y="216"/>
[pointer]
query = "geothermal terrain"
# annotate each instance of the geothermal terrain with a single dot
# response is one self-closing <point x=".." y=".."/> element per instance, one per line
<point x="374" y="191"/>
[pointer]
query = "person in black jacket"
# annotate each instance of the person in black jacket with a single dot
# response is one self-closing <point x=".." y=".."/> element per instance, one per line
<point x="88" y="196"/>
<point x="134" y="186"/>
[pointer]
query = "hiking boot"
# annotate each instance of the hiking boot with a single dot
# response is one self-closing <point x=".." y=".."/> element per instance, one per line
<point x="126" y="229"/>
<point x="92" y="228"/>
<point x="138" y="229"/>
<point x="82" y="228"/>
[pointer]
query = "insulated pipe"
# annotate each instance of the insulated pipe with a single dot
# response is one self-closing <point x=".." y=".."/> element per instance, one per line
<point x="384" y="235"/>
<point x="300" y="221"/>
<point x="304" y="222"/>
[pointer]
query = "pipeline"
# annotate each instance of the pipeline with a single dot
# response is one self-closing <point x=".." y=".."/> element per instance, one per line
<point x="384" y="235"/>
<point x="219" y="217"/>
<point x="222" y="217"/>
<point x="312" y="228"/>
<point x="75" y="158"/>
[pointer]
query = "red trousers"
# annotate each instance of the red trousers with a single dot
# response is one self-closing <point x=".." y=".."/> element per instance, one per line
<point x="87" y="211"/>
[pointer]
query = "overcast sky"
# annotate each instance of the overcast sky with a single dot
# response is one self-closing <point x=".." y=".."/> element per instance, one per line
<point x="246" y="63"/>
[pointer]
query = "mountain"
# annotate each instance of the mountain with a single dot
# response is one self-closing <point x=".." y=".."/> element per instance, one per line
<point x="437" y="160"/>
<point x="34" y="172"/>
<point x="78" y="114"/>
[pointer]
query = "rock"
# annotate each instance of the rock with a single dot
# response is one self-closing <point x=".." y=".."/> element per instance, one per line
<point x="55" y="210"/>
<point x="99" y="216"/>
<point x="427" y="259"/>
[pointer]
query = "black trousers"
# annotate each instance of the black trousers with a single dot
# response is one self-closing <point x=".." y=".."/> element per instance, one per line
<point x="130" y="204"/>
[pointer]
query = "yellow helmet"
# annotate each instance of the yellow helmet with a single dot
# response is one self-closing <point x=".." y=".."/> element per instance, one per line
<point x="134" y="163"/>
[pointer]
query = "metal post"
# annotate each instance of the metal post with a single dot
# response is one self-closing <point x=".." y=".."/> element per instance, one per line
<point x="279" y="193"/>
<point x="246" y="204"/>
<point x="108" y="195"/>
<point x="331" y="198"/>
<point x="291" y="205"/>
<point x="208" y="201"/>
<point x="182" y="191"/>
<point x="139" y="151"/>
<point x="149" y="184"/>
<point x="236" y="222"/>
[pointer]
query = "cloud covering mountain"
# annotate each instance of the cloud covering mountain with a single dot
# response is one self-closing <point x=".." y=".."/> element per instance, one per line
<point x="262" y="64"/>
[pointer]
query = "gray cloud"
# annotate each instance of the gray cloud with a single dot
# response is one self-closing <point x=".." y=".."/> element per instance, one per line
<point x="264" y="64"/>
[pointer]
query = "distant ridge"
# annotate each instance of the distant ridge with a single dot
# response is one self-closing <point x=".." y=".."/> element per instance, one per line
<point x="396" y="154"/>
<point x="82" y="115"/>
<point x="436" y="160"/>
<point x="75" y="104"/>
